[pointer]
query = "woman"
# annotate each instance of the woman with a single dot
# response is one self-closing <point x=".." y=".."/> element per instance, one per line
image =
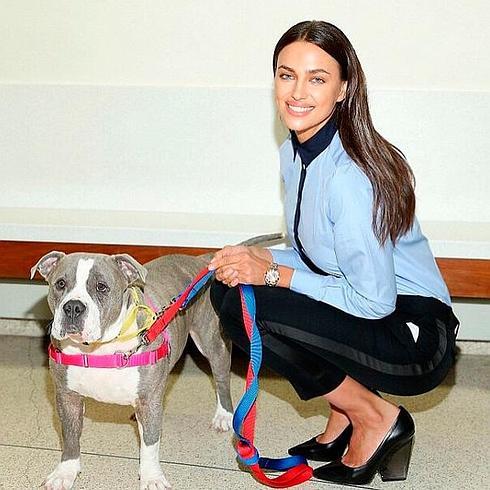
<point x="357" y="304"/>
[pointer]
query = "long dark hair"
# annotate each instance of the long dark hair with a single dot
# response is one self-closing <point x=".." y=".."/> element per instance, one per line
<point x="384" y="164"/>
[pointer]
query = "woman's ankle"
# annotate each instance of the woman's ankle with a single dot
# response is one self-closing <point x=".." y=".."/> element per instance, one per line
<point x="336" y="424"/>
<point x="360" y="405"/>
<point x="375" y="414"/>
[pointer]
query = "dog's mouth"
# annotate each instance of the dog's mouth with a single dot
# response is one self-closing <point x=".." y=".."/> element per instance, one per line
<point x="77" y="338"/>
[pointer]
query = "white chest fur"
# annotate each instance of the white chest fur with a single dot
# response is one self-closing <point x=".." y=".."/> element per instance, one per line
<point x="108" y="385"/>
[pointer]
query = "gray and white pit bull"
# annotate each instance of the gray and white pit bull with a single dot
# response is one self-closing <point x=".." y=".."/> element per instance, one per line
<point x="89" y="297"/>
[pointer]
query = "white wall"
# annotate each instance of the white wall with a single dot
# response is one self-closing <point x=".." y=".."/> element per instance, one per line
<point x="437" y="45"/>
<point x="214" y="150"/>
<point x="167" y="105"/>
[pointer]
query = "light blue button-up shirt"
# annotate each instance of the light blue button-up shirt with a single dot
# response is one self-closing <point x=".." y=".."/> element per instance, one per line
<point x="337" y="235"/>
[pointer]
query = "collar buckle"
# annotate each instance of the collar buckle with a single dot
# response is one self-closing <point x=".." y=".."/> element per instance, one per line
<point x="123" y="359"/>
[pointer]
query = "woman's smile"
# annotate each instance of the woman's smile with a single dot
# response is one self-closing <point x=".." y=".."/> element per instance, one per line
<point x="298" y="110"/>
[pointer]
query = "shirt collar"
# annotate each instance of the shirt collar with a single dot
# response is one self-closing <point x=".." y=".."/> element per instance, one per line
<point x="313" y="146"/>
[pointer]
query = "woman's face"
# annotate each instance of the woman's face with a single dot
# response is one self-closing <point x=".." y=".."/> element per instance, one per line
<point x="307" y="86"/>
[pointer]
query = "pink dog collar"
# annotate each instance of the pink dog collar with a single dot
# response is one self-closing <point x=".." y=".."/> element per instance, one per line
<point x="116" y="360"/>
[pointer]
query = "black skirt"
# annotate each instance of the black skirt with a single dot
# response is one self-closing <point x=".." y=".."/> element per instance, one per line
<point x="315" y="345"/>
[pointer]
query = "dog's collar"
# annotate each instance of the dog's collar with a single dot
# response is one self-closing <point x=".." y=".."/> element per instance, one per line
<point x="116" y="360"/>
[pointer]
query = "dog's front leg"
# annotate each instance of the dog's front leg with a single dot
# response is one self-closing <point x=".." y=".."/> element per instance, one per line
<point x="149" y="417"/>
<point x="70" y="410"/>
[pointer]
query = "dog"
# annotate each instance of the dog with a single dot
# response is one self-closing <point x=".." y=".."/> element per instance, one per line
<point x="90" y="296"/>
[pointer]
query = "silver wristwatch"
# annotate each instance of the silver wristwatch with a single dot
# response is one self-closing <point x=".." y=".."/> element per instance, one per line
<point x="272" y="276"/>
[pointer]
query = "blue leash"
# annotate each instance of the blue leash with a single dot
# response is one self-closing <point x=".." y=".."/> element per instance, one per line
<point x="296" y="468"/>
<point x="244" y="416"/>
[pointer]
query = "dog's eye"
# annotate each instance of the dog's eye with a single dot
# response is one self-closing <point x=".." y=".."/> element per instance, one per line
<point x="102" y="287"/>
<point x="60" y="284"/>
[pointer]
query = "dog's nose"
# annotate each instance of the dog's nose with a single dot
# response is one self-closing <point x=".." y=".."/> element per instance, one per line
<point x="73" y="309"/>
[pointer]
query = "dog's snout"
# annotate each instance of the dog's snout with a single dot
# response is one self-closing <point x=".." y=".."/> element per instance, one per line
<point x="73" y="309"/>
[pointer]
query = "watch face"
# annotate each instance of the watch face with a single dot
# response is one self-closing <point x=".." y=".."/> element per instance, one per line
<point x="272" y="276"/>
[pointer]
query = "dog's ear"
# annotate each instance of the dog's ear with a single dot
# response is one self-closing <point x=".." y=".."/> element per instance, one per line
<point x="47" y="263"/>
<point x="133" y="271"/>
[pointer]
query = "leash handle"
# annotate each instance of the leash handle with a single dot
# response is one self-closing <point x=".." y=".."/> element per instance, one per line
<point x="296" y="469"/>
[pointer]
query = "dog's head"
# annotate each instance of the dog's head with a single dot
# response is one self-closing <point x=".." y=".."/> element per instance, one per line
<point x="87" y="291"/>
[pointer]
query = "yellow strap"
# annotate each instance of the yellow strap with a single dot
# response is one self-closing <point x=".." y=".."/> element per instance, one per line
<point x="131" y="318"/>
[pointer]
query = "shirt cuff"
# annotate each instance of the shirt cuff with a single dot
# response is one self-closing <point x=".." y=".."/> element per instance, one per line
<point x="288" y="257"/>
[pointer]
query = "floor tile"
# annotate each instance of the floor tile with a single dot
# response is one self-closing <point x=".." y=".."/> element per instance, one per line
<point x="451" y="451"/>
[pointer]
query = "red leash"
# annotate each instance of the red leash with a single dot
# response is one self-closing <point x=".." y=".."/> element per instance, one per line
<point x="165" y="316"/>
<point x="296" y="469"/>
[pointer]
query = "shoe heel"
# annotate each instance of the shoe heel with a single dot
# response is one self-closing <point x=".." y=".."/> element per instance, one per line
<point x="395" y="467"/>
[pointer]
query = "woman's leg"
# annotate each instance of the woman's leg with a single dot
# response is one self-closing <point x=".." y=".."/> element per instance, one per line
<point x="324" y="351"/>
<point x="315" y="346"/>
<point x="371" y="417"/>
<point x="336" y="423"/>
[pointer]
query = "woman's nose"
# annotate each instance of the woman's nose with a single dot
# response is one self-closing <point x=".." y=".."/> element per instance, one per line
<point x="299" y="91"/>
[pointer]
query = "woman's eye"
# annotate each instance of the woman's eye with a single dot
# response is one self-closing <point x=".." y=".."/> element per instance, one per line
<point x="285" y="76"/>
<point x="102" y="287"/>
<point x="318" y="80"/>
<point x="60" y="284"/>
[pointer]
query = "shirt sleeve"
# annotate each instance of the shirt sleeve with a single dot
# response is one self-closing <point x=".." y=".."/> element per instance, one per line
<point x="288" y="257"/>
<point x="367" y="286"/>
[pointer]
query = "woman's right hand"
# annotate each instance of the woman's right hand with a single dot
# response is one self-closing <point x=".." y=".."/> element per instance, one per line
<point x="241" y="265"/>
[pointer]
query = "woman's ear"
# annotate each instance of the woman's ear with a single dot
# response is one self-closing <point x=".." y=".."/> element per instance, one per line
<point x="343" y="91"/>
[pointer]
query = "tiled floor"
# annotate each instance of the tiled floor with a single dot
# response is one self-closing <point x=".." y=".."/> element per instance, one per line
<point x="451" y="451"/>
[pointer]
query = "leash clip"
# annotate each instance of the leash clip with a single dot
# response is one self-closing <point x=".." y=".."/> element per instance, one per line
<point x="144" y="338"/>
<point x="162" y="310"/>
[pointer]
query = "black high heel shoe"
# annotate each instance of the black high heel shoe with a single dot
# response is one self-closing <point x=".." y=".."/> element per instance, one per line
<point x="391" y="459"/>
<point x="330" y="451"/>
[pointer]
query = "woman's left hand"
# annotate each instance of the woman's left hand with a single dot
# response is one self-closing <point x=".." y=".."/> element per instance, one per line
<point x="241" y="265"/>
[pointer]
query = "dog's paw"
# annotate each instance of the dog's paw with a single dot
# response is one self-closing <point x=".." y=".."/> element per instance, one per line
<point x="223" y="420"/>
<point x="155" y="482"/>
<point x="63" y="477"/>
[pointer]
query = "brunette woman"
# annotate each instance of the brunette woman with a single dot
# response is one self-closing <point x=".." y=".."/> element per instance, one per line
<point x="357" y="304"/>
